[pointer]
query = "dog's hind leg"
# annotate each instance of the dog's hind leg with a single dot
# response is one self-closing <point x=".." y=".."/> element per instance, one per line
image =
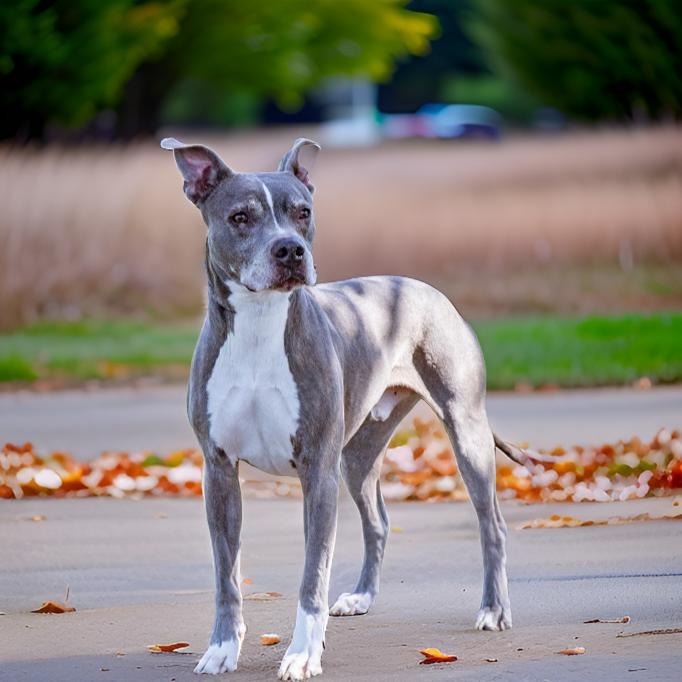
<point x="361" y="464"/>
<point x="473" y="443"/>
<point x="455" y="388"/>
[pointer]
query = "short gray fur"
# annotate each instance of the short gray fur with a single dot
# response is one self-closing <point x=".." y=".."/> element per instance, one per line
<point x="348" y="345"/>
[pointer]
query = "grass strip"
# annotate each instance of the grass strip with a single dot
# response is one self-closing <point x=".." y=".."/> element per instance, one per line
<point x="536" y="351"/>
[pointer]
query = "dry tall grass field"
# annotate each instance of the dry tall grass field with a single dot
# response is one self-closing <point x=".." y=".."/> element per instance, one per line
<point x="579" y="221"/>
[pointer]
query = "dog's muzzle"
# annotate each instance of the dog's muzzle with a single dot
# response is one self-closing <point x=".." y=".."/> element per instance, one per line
<point x="289" y="255"/>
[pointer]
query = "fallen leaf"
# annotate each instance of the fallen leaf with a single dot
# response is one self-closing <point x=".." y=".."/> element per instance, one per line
<point x="570" y="522"/>
<point x="104" y="670"/>
<point x="433" y="655"/>
<point x="664" y="631"/>
<point x="396" y="529"/>
<point x="247" y="581"/>
<point x="53" y="607"/>
<point x="263" y="596"/>
<point x="575" y="651"/>
<point x="37" y="517"/>
<point x="624" y="619"/>
<point x="491" y="660"/>
<point x="270" y="639"/>
<point x="166" y="648"/>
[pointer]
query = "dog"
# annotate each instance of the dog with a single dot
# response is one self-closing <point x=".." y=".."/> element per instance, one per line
<point x="311" y="380"/>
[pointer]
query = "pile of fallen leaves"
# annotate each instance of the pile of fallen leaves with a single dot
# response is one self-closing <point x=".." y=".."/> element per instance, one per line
<point x="419" y="465"/>
<point x="24" y="472"/>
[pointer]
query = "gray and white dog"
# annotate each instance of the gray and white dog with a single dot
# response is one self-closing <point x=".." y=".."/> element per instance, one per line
<point x="312" y="380"/>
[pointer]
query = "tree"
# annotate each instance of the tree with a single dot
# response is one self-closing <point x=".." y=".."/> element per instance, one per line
<point x="592" y="59"/>
<point x="61" y="60"/>
<point x="275" y="49"/>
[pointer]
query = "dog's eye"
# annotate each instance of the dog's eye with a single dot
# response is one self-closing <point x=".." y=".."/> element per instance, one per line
<point x="239" y="218"/>
<point x="304" y="214"/>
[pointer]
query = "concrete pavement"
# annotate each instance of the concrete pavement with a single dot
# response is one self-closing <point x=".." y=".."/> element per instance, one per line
<point x="153" y="418"/>
<point x="139" y="572"/>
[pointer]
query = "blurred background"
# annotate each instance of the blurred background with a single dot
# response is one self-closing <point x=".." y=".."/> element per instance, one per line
<point x="524" y="157"/>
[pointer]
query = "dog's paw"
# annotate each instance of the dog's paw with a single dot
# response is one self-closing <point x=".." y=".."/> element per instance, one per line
<point x="298" y="666"/>
<point x="351" y="604"/>
<point x="494" y="618"/>
<point x="303" y="658"/>
<point x="220" y="658"/>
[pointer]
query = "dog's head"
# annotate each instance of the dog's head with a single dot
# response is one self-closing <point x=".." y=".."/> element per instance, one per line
<point x="260" y="225"/>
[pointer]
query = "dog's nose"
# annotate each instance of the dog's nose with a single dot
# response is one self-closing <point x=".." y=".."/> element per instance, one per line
<point x="288" y="251"/>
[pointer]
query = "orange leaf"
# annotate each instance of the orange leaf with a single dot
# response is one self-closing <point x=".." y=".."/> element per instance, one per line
<point x="263" y="596"/>
<point x="270" y="639"/>
<point x="53" y="607"/>
<point x="433" y="655"/>
<point x="575" y="651"/>
<point x="166" y="648"/>
<point x="247" y="581"/>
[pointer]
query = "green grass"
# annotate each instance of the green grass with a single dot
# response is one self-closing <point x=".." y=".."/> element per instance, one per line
<point x="95" y="349"/>
<point x="592" y="351"/>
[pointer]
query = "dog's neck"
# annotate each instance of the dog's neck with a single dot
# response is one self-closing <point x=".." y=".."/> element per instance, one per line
<point x="227" y="298"/>
<point x="218" y="293"/>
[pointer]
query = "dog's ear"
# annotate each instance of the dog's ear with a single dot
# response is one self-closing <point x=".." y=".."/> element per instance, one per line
<point x="291" y="164"/>
<point x="200" y="166"/>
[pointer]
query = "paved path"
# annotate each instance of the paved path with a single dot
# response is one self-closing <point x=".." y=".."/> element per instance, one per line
<point x="86" y="423"/>
<point x="140" y="573"/>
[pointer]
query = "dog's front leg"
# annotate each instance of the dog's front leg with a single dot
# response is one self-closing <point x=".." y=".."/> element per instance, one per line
<point x="223" y="501"/>
<point x="320" y="489"/>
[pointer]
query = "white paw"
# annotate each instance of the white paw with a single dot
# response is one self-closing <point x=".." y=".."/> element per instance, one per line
<point x="494" y="618"/>
<point x="303" y="658"/>
<point x="220" y="658"/>
<point x="351" y="604"/>
<point x="299" y="666"/>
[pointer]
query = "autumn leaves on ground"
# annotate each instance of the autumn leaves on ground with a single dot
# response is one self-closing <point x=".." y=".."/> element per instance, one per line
<point x="419" y="465"/>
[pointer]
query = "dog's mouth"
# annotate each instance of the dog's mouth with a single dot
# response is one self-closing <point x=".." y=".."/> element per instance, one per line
<point x="289" y="281"/>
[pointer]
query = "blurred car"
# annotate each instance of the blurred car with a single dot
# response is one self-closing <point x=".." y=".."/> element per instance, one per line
<point x="445" y="121"/>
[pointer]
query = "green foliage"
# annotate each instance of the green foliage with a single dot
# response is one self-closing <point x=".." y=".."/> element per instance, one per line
<point x="65" y="58"/>
<point x="16" y="368"/>
<point x="192" y="100"/>
<point x="592" y="59"/>
<point x="284" y="48"/>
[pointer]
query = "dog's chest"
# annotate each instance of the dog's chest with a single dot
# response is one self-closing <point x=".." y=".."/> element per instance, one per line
<point x="253" y="404"/>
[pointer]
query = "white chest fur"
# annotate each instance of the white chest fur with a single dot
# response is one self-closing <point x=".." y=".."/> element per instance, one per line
<point x="253" y="402"/>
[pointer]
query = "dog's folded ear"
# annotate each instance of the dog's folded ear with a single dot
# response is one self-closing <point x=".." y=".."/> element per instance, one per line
<point x="291" y="164"/>
<point x="200" y="166"/>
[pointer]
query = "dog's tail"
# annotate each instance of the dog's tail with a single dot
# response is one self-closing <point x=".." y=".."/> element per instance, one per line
<point x="519" y="455"/>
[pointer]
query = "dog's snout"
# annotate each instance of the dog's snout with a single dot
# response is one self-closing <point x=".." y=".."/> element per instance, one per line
<point x="288" y="251"/>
